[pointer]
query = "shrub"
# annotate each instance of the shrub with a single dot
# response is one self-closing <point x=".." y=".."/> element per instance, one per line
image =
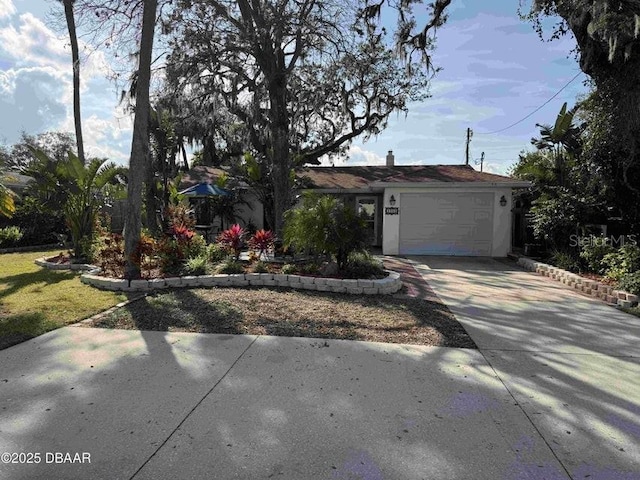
<point x="565" y="261"/>
<point x="230" y="266"/>
<point x="289" y="269"/>
<point x="310" y="268"/>
<point x="179" y="245"/>
<point x="363" y="265"/>
<point x="196" y="265"/>
<point x="111" y="256"/>
<point x="262" y="241"/>
<point x="10" y="236"/>
<point x="179" y="216"/>
<point x="38" y="224"/>
<point x="630" y="283"/>
<point x="260" y="267"/>
<point x="323" y="225"/>
<point x="594" y="252"/>
<point x="623" y="261"/>
<point x="215" y="253"/>
<point x="232" y="240"/>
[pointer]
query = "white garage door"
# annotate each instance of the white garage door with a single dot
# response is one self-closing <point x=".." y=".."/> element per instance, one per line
<point x="446" y="224"/>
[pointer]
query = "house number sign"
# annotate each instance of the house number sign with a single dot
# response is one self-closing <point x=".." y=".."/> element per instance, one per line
<point x="391" y="211"/>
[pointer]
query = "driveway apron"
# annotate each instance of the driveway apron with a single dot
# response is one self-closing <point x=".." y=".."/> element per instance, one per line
<point x="571" y="362"/>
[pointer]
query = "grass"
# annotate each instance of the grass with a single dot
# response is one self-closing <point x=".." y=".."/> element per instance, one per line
<point x="261" y="311"/>
<point x="632" y="311"/>
<point x="34" y="300"/>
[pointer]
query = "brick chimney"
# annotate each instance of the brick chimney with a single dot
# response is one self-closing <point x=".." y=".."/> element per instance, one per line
<point x="390" y="159"/>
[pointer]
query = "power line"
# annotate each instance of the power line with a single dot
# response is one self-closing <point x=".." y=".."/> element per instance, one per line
<point x="536" y="110"/>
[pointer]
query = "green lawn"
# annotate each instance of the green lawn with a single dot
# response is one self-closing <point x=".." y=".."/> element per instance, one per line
<point x="34" y="300"/>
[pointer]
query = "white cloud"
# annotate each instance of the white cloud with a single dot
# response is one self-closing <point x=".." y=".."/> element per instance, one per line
<point x="33" y="43"/>
<point x="31" y="99"/>
<point x="7" y="9"/>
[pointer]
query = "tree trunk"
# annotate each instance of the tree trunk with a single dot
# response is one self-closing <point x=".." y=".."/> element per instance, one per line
<point x="75" y="57"/>
<point x="281" y="160"/>
<point x="140" y="143"/>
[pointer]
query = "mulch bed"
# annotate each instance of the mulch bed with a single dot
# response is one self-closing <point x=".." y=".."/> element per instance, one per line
<point x="413" y="316"/>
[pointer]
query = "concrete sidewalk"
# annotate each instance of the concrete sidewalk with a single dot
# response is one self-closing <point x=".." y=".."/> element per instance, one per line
<point x="571" y="362"/>
<point x="154" y="405"/>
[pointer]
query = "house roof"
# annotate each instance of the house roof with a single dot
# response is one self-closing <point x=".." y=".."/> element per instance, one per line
<point x="201" y="174"/>
<point x="362" y="177"/>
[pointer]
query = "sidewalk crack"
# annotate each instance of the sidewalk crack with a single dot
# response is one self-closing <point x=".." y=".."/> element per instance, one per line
<point x="193" y="409"/>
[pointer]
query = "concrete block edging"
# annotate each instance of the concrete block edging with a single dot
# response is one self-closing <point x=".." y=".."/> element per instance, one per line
<point x="384" y="286"/>
<point x="593" y="288"/>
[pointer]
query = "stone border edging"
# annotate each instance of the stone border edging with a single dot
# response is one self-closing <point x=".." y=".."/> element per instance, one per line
<point x="591" y="287"/>
<point x="42" y="262"/>
<point x="384" y="286"/>
<point x="32" y="248"/>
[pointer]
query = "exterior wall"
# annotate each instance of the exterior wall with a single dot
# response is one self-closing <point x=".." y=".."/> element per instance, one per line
<point x="501" y="217"/>
<point x="252" y="213"/>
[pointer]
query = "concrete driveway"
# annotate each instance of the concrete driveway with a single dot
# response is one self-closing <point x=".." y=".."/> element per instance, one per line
<point x="571" y="362"/>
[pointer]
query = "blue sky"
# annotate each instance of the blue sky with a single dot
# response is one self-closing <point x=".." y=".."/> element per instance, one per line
<point x="495" y="71"/>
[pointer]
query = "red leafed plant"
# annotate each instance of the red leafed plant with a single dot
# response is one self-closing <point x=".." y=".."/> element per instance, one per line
<point x="232" y="240"/>
<point x="181" y="233"/>
<point x="262" y="241"/>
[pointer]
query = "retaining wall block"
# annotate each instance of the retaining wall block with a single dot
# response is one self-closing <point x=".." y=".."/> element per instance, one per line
<point x="323" y="288"/>
<point x="221" y="279"/>
<point x="157" y="284"/>
<point x="338" y="289"/>
<point x="355" y="290"/>
<point x="280" y="277"/>
<point x="365" y="283"/>
<point x="624" y="303"/>
<point x="632" y="298"/>
<point x="173" y="282"/>
<point x="371" y="290"/>
<point x="140" y="285"/>
<point x="334" y="282"/>
<point x="190" y="281"/>
<point x="207" y="281"/>
<point x="320" y="281"/>
<point x="307" y="280"/>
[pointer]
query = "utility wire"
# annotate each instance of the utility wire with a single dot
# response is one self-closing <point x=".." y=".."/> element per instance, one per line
<point x="536" y="110"/>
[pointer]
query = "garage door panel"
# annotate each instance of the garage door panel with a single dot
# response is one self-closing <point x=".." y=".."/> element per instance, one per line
<point x="446" y="224"/>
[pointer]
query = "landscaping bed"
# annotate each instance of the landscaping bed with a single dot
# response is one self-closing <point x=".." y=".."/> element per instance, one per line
<point x="261" y="311"/>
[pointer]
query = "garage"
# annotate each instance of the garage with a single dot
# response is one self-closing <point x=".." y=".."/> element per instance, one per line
<point x="446" y="223"/>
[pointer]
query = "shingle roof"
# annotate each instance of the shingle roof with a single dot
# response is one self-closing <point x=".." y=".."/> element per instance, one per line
<point x="361" y="177"/>
<point x="364" y="176"/>
<point x="200" y="174"/>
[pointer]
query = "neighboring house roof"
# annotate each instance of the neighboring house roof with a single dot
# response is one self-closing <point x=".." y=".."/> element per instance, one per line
<point x="373" y="176"/>
<point x="365" y="177"/>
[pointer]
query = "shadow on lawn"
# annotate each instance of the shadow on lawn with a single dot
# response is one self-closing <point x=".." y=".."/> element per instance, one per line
<point x="23" y="280"/>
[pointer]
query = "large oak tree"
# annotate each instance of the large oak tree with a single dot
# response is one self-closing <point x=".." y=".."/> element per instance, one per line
<point x="300" y="79"/>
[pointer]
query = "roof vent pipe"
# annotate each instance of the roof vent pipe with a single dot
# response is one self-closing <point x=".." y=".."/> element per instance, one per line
<point x="390" y="159"/>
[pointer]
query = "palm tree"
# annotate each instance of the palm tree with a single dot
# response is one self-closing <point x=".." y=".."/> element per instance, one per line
<point x="75" y="57"/>
<point x="83" y="185"/>
<point x="562" y="140"/>
<point x="139" y="160"/>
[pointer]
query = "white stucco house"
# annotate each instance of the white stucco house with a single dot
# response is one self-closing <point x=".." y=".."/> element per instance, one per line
<point x="423" y="209"/>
